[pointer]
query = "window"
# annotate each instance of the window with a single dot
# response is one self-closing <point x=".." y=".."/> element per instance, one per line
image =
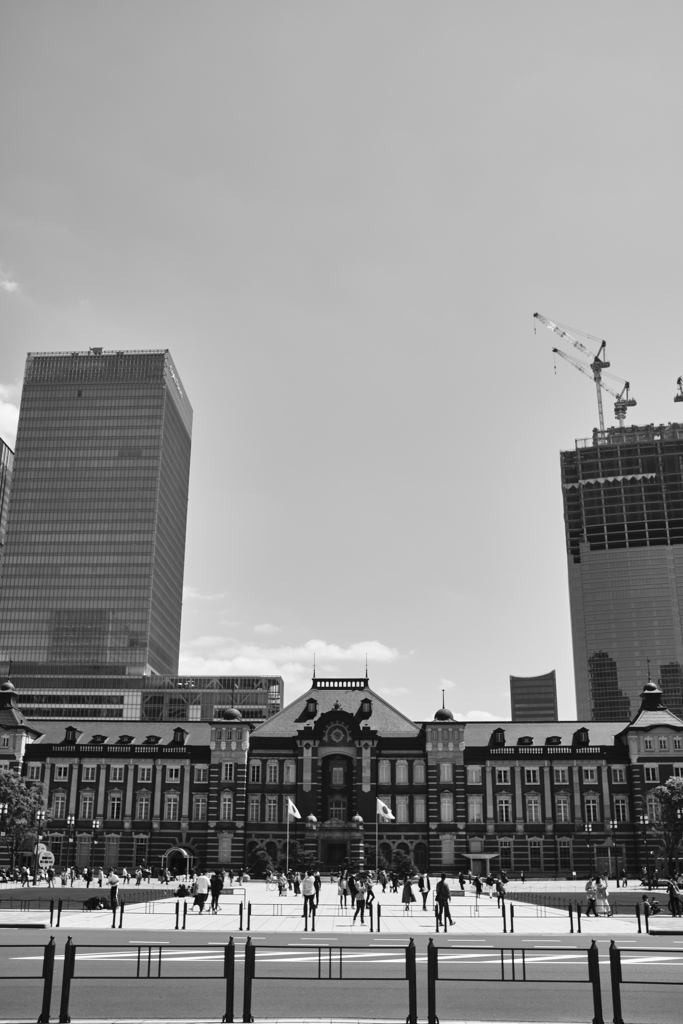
<point x="419" y="773"/>
<point x="337" y="775"/>
<point x="4" y="740"/>
<point x="474" y="775"/>
<point x="171" y="807"/>
<point x="445" y="771"/>
<point x="289" y="773"/>
<point x="144" y="773"/>
<point x="590" y="776"/>
<point x="505" y="852"/>
<point x="402" y="808"/>
<point x="86" y="807"/>
<point x="271" y="773"/>
<point x="653" y="810"/>
<point x="384" y="773"/>
<point x="255" y="772"/>
<point x="111" y="849"/>
<point x="89" y="773"/>
<point x="173" y="773"/>
<point x="419" y="809"/>
<point x="648" y="743"/>
<point x="535" y="855"/>
<point x="254" y="808"/>
<point x="502" y="776"/>
<point x="402" y="773"/>
<point x="199" y="805"/>
<point x="226" y="806"/>
<point x="531" y="776"/>
<point x="201" y="773"/>
<point x="34" y="773"/>
<point x="142" y="806"/>
<point x="592" y="805"/>
<point x="504" y="804"/>
<point x="620" y="808"/>
<point x="663" y="743"/>
<point x="533" y="808"/>
<point x="562" y="809"/>
<point x="678" y="743"/>
<point x="59" y="805"/>
<point x="447" y="807"/>
<point x="114" y="806"/>
<point x="561" y="776"/>
<point x="618" y="775"/>
<point x="564" y="853"/>
<point x="677" y="771"/>
<point x="228" y="771"/>
<point x="61" y="773"/>
<point x="271" y="808"/>
<point x="116" y="773"/>
<point x="652" y="773"/>
<point x="475" y="808"/>
<point x="336" y="808"/>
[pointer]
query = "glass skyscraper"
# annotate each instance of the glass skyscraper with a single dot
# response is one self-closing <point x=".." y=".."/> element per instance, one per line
<point x="6" y="463"/>
<point x="93" y="567"/>
<point x="623" y="508"/>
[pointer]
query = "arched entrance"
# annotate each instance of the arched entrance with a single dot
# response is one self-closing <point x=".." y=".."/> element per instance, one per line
<point x="179" y="861"/>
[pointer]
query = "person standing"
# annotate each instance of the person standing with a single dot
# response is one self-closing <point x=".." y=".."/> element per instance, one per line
<point x="407" y="896"/>
<point x="125" y="876"/>
<point x="461" y="881"/>
<point x="308" y="892"/>
<point x="424" y="887"/>
<point x="360" y="902"/>
<point x="297" y="883"/>
<point x="341" y="890"/>
<point x="201" y="891"/>
<point x="216" y="886"/>
<point x="113" y="882"/>
<point x="477" y="886"/>
<point x="442" y="895"/>
<point x="51" y="878"/>
<point x="318" y="882"/>
<point x="100" y="877"/>
<point x="602" y="891"/>
<point x="624" y="878"/>
<point x="591" y="896"/>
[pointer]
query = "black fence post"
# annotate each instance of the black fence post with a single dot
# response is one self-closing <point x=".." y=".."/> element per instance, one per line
<point x="121" y="906"/>
<point x="512" y="919"/>
<point x="184" y="914"/>
<point x="571" y="917"/>
<point x="249" y="916"/>
<point x="241" y="915"/>
<point x="312" y="917"/>
<point x="48" y="975"/>
<point x="615" y="976"/>
<point x="177" y="915"/>
<point x="59" y="911"/>
<point x="113" y="915"/>
<point x="578" y="917"/>
<point x="67" y="975"/>
<point x="505" y="923"/>
<point x="432" y="975"/>
<point x="646" y="908"/>
<point x="436" y="916"/>
<point x="594" y="977"/>
<point x="249" y="961"/>
<point x="370" y="914"/>
<point x="52" y="910"/>
<point x="379" y="916"/>
<point x="229" y="975"/>
<point x="411" y="975"/>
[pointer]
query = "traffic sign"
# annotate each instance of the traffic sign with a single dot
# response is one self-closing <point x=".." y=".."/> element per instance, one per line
<point x="46" y="859"/>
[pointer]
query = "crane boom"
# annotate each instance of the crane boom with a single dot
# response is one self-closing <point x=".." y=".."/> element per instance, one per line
<point x="597" y="366"/>
<point x="623" y="401"/>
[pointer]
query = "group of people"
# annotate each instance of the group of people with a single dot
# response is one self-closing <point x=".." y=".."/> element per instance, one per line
<point x="597" y="895"/>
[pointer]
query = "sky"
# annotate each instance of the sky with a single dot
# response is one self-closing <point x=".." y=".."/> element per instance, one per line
<point x="340" y="219"/>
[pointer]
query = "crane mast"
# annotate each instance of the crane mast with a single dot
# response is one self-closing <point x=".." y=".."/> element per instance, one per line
<point x="597" y="366"/>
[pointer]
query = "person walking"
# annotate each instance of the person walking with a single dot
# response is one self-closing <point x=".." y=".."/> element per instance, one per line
<point x="361" y="892"/>
<point x="318" y="882"/>
<point x="461" y="881"/>
<point x="442" y="895"/>
<point x="603" y="907"/>
<point x="407" y="895"/>
<point x="624" y="878"/>
<point x="308" y="892"/>
<point x="113" y="882"/>
<point x="383" y="880"/>
<point x="342" y="890"/>
<point x="675" y="899"/>
<point x="201" y="891"/>
<point x="125" y="875"/>
<point x="216" y="886"/>
<point x="100" y="877"/>
<point x="591" y="897"/>
<point x="477" y="886"/>
<point x="138" y="876"/>
<point x="424" y="887"/>
<point x="51" y="878"/>
<point x="351" y="886"/>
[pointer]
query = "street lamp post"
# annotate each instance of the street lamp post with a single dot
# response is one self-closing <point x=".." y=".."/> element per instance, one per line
<point x="588" y="828"/>
<point x="95" y="825"/>
<point x="70" y="852"/>
<point x="644" y="821"/>
<point x="614" y="824"/>
<point x="40" y="818"/>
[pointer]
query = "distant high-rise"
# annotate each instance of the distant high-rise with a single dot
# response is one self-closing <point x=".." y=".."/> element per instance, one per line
<point x="95" y="546"/>
<point x="623" y="508"/>
<point x="6" y="463"/>
<point x="534" y="698"/>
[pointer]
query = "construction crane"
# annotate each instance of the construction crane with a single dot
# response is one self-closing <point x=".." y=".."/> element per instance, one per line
<point x="623" y="402"/>
<point x="597" y="365"/>
<point x="679" y="396"/>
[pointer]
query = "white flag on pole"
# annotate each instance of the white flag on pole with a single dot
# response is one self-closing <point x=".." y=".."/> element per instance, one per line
<point x="292" y="809"/>
<point x="383" y="811"/>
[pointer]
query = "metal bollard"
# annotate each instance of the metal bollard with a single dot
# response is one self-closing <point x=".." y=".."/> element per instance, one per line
<point x="571" y="917"/>
<point x="67" y="975"/>
<point x="121" y="906"/>
<point x="249" y="916"/>
<point x="578" y="917"/>
<point x="436" y="917"/>
<point x="59" y="911"/>
<point x="305" y="915"/>
<point x="379" y="916"/>
<point x="312" y="917"/>
<point x="52" y="910"/>
<point x="646" y="908"/>
<point x="249" y="963"/>
<point x="411" y="975"/>
<point x="371" y="916"/>
<point x="432" y="975"/>
<point x="229" y="975"/>
<point x="512" y="919"/>
<point x="177" y="915"/>
<point x="241" y="915"/>
<point x="505" y="923"/>
<point x="48" y="975"/>
<point x="184" y="914"/>
<point x="638" y="918"/>
<point x="615" y="976"/>
<point x="114" y="908"/>
<point x="594" y="975"/>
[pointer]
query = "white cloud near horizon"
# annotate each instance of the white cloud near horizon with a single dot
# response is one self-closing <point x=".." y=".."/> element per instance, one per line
<point x="193" y="594"/>
<point x="266" y="628"/>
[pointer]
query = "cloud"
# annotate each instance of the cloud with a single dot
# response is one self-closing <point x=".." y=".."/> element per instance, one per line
<point x="9" y="413"/>
<point x="193" y="594"/>
<point x="479" y="716"/>
<point x="266" y="627"/>
<point x="7" y="283"/>
<point x="448" y="684"/>
<point x="218" y="656"/>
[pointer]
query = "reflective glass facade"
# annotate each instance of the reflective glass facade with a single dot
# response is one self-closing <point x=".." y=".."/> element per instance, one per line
<point x="533" y="698"/>
<point x="93" y="567"/>
<point x="623" y="506"/>
<point x="6" y="463"/>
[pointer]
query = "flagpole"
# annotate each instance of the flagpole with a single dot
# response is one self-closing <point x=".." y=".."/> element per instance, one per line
<point x="287" y="853"/>
<point x="376" y="842"/>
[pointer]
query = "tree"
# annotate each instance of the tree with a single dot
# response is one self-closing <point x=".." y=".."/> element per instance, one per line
<point x="260" y="864"/>
<point x="668" y="828"/>
<point x="24" y="799"/>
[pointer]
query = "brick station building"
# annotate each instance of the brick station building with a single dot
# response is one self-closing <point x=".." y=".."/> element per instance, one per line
<point x="546" y="798"/>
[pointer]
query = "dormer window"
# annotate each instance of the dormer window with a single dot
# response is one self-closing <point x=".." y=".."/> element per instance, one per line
<point x="581" y="738"/>
<point x="125" y="739"/>
<point x="553" y="741"/>
<point x="311" y="706"/>
<point x="525" y="741"/>
<point x="498" y="738"/>
<point x="366" y="706"/>
<point x="70" y="735"/>
<point x="152" y="740"/>
<point x="98" y="738"/>
<point x="179" y="736"/>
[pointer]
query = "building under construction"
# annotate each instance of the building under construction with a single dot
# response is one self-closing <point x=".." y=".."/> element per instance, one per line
<point x="623" y="509"/>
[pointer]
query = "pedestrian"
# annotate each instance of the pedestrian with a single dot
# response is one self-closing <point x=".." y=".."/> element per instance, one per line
<point x="100" y="877"/>
<point x="504" y="878"/>
<point x="394" y="881"/>
<point x="522" y="878"/>
<point x="231" y="875"/>
<point x="424" y="887"/>
<point x="624" y="878"/>
<point x="407" y="895"/>
<point x="342" y="891"/>
<point x="461" y="880"/>
<point x="281" y="885"/>
<point x="297" y="883"/>
<point x="602" y="891"/>
<point x="125" y="876"/>
<point x="500" y="890"/>
<point x="591" y="896"/>
<point x="675" y="899"/>
<point x="442" y="895"/>
<point x="383" y="880"/>
<point x="490" y="884"/>
<point x="351" y="886"/>
<point x="72" y="875"/>
<point x="477" y="886"/>
<point x="201" y="891"/>
<point x="51" y="878"/>
<point x="318" y="882"/>
<point x="308" y="892"/>
<point x="138" y="876"/>
<point x="216" y="886"/>
<point x="113" y="882"/>
<point x="360" y="901"/>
